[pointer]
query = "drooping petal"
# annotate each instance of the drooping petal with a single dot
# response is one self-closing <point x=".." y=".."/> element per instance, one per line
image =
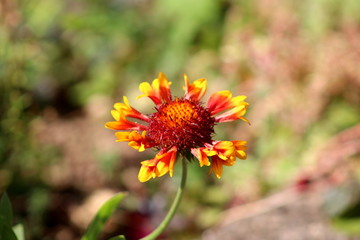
<point x="226" y="153"/>
<point x="201" y="155"/>
<point x="162" y="163"/>
<point x="169" y="159"/>
<point x="217" y="165"/>
<point x="148" y="170"/>
<point x="224" y="149"/>
<point x="129" y="111"/>
<point x="196" y="90"/>
<point x="221" y="153"/>
<point x="136" y="141"/>
<point x="122" y="123"/>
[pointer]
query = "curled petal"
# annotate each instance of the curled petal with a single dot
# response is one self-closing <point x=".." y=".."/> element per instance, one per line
<point x="196" y="90"/>
<point x="122" y="123"/>
<point x="201" y="155"/>
<point x="226" y="153"/>
<point x="219" y="101"/>
<point x="234" y="114"/>
<point x="162" y="163"/>
<point x="136" y="141"/>
<point x="223" y="149"/>
<point x="223" y="100"/>
<point x="129" y="111"/>
<point x="227" y="150"/>
<point x="221" y="153"/>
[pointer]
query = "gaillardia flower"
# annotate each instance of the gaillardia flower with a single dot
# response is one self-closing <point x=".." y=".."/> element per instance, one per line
<point x="180" y="126"/>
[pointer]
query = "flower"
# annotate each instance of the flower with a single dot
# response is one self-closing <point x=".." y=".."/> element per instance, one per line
<point x="180" y="126"/>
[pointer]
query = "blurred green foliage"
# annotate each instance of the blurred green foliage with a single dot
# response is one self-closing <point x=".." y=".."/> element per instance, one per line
<point x="297" y="61"/>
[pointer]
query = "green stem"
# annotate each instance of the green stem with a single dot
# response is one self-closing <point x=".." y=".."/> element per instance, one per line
<point x="173" y="207"/>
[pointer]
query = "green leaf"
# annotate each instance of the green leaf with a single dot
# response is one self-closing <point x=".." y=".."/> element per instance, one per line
<point x="6" y="232"/>
<point x="121" y="237"/>
<point x="102" y="216"/>
<point x="19" y="231"/>
<point x="6" y="210"/>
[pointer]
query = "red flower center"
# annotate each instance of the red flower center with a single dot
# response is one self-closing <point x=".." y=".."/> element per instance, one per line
<point x="181" y="123"/>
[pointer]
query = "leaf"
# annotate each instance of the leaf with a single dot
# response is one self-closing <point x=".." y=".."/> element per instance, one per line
<point x="6" y="232"/>
<point x="19" y="231"/>
<point x="104" y="213"/>
<point x="6" y="210"/>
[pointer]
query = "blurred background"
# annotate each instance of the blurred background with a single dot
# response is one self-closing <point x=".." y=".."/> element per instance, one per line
<point x="64" y="63"/>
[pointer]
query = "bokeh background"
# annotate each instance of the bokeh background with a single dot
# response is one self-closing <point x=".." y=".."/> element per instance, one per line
<point x="64" y="63"/>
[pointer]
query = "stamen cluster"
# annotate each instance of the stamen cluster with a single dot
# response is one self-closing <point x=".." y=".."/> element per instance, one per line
<point x="181" y="123"/>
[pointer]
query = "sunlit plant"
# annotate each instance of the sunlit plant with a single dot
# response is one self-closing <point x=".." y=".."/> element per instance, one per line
<point x="180" y="129"/>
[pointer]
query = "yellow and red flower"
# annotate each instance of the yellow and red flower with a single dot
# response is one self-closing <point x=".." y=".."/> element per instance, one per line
<point x="180" y="126"/>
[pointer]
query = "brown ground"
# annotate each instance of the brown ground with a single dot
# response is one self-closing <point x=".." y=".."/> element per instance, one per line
<point x="288" y="215"/>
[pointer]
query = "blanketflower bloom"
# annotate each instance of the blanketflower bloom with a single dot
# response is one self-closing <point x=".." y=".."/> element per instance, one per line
<point x="180" y="126"/>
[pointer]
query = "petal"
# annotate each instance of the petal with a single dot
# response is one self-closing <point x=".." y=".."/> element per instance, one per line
<point x="147" y="170"/>
<point x="129" y="111"/>
<point x="240" y="147"/>
<point x="136" y="141"/>
<point x="196" y="90"/>
<point x="233" y="114"/>
<point x="216" y="166"/>
<point x="219" y="101"/>
<point x="223" y="149"/>
<point x="162" y="163"/>
<point x="122" y="136"/>
<point x="223" y="100"/>
<point x="227" y="151"/>
<point x="123" y="124"/>
<point x="158" y="91"/>
<point x="201" y="155"/>
<point x="115" y="114"/>
<point x="164" y="87"/>
<point x="151" y="91"/>
<point x="169" y="159"/>
<point x="161" y="169"/>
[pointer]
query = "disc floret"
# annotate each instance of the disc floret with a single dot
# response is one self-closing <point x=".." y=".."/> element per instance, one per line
<point x="182" y="123"/>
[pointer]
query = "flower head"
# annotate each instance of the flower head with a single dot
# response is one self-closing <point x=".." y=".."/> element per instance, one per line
<point x="180" y="126"/>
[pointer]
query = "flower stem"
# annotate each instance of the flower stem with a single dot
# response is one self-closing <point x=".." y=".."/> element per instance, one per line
<point x="173" y="207"/>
